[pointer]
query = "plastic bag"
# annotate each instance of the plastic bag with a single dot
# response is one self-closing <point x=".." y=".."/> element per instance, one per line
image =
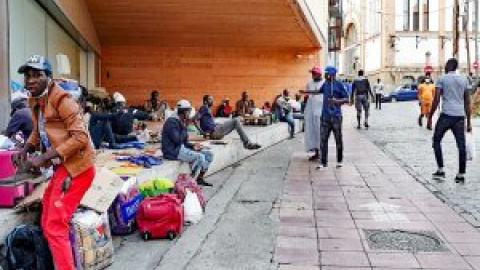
<point x="470" y="140"/>
<point x="192" y="208"/>
<point x="6" y="143"/>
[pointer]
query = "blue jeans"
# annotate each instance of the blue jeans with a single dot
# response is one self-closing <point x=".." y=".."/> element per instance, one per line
<point x="290" y="121"/>
<point x="199" y="160"/>
<point x="457" y="125"/>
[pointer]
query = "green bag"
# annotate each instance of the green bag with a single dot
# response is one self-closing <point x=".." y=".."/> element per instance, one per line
<point x="156" y="187"/>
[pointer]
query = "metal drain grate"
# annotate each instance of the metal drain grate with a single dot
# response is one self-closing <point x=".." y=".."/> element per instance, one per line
<point x="412" y="241"/>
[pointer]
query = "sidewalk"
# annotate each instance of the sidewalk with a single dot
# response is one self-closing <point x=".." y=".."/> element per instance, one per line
<point x="370" y="214"/>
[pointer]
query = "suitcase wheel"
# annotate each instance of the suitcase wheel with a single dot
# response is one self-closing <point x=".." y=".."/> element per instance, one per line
<point x="146" y="236"/>
<point x="171" y="235"/>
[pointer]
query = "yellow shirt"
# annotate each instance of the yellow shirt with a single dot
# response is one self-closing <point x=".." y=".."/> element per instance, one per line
<point x="426" y="92"/>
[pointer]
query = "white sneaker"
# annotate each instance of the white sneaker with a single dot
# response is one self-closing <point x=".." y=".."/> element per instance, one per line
<point x="339" y="165"/>
<point x="322" y="167"/>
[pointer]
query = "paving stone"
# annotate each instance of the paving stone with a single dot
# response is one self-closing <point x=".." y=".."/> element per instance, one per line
<point x="442" y="261"/>
<point x="393" y="260"/>
<point x="296" y="242"/>
<point x="340" y="245"/>
<point x="298" y="267"/>
<point x="294" y="231"/>
<point x="349" y="259"/>
<point x="324" y="232"/>
<point x="473" y="261"/>
<point x="296" y="256"/>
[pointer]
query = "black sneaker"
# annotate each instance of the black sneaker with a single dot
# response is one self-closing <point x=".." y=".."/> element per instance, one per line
<point x="359" y="127"/>
<point x="366" y="125"/>
<point x="460" y="179"/>
<point x="202" y="182"/>
<point x="438" y="175"/>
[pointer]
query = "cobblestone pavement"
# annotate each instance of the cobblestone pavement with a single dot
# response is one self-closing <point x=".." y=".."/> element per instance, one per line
<point x="395" y="130"/>
<point x="369" y="215"/>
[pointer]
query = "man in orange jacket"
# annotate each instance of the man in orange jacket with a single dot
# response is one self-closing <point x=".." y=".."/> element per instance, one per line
<point x="426" y="92"/>
<point x="60" y="134"/>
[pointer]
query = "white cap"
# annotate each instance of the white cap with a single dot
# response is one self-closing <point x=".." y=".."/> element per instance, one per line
<point x="18" y="95"/>
<point x="183" y="104"/>
<point x="118" y="97"/>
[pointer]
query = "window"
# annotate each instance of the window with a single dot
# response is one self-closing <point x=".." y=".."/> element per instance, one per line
<point x="375" y="17"/>
<point x="426" y="15"/>
<point x="416" y="16"/>
<point x="406" y="15"/>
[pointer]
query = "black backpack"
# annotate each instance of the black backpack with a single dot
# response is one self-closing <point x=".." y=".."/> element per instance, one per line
<point x="27" y="249"/>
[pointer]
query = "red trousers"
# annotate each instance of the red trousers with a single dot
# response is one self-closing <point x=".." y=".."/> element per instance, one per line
<point x="58" y="209"/>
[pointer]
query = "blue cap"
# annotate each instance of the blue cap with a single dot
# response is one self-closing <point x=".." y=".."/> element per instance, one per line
<point x="37" y="62"/>
<point x="330" y="70"/>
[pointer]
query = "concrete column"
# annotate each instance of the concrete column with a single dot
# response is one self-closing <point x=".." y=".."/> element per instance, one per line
<point x="4" y="63"/>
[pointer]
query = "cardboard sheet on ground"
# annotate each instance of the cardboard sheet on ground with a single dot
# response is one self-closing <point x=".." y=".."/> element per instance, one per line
<point x="99" y="197"/>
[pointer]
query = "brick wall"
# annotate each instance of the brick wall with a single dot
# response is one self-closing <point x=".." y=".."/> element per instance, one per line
<point x="191" y="72"/>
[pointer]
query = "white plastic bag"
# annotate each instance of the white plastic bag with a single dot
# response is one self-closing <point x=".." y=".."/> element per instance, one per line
<point x="192" y="207"/>
<point x="470" y="140"/>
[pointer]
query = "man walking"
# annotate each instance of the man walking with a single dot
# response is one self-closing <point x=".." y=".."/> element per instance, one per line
<point x="378" y="89"/>
<point x="426" y="92"/>
<point x="334" y="96"/>
<point x="360" y="91"/>
<point x="452" y="88"/>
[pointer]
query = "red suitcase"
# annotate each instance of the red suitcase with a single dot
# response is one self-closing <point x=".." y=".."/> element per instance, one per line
<point x="160" y="217"/>
<point x="185" y="181"/>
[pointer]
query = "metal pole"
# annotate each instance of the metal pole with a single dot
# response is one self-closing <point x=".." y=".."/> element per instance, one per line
<point x="456" y="32"/>
<point x="467" y="30"/>
<point x="476" y="37"/>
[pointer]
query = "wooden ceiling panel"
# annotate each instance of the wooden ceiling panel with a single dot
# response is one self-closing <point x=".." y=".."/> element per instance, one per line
<point x="270" y="23"/>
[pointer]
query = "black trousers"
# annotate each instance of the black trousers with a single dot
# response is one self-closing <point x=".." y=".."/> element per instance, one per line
<point x="378" y="101"/>
<point x="329" y="125"/>
<point x="457" y="125"/>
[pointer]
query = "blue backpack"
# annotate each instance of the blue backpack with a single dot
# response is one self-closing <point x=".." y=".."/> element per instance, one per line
<point x="27" y="249"/>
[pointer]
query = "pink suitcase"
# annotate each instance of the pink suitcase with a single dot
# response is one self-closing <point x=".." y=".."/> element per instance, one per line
<point x="7" y="168"/>
<point x="11" y="194"/>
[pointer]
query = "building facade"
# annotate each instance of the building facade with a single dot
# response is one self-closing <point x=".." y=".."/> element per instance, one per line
<point x="395" y="40"/>
<point x="184" y="50"/>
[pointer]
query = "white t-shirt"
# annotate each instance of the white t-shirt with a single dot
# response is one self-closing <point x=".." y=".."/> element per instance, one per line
<point x="378" y="88"/>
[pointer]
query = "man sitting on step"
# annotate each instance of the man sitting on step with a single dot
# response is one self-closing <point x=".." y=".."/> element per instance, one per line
<point x="205" y="122"/>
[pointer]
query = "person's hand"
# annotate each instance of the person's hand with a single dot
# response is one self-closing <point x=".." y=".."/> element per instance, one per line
<point x="20" y="157"/>
<point x="36" y="161"/>
<point x="429" y="123"/>
<point x="469" y="127"/>
<point x="197" y="147"/>
<point x="333" y="101"/>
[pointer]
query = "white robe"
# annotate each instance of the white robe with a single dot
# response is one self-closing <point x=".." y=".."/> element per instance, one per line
<point x="313" y="116"/>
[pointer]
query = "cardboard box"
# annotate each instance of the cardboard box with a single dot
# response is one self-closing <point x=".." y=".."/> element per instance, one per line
<point x="99" y="197"/>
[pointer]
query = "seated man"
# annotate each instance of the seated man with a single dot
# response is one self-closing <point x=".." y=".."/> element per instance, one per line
<point x="21" y="118"/>
<point x="115" y="127"/>
<point x="225" y="110"/>
<point x="284" y="111"/>
<point x="155" y="107"/>
<point x="175" y="145"/>
<point x="243" y="106"/>
<point x="206" y="125"/>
